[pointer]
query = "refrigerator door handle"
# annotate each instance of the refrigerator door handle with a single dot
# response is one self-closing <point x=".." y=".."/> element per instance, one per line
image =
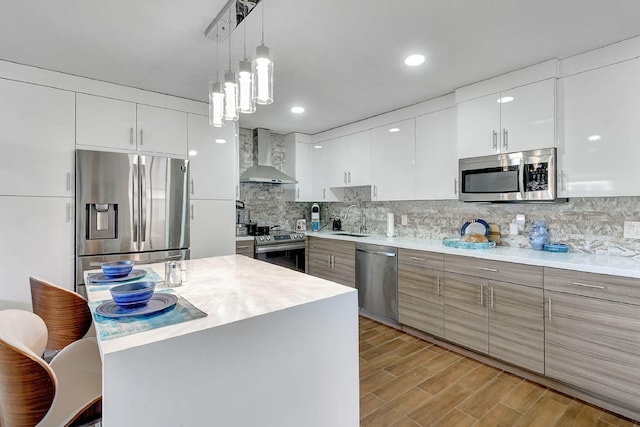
<point x="134" y="201"/>
<point x="143" y="203"/>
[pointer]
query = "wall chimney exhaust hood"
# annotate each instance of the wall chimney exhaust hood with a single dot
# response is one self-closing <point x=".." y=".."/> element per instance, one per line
<point x="262" y="171"/>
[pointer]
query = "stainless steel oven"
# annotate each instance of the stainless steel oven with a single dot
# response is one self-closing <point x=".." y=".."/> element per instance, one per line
<point x="283" y="248"/>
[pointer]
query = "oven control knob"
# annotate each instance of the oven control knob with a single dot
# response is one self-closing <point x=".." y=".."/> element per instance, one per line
<point x="296" y="236"/>
<point x="262" y="239"/>
<point x="268" y="237"/>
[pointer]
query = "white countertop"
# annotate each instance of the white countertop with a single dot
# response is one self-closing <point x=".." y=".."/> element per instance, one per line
<point x="229" y="289"/>
<point x="602" y="264"/>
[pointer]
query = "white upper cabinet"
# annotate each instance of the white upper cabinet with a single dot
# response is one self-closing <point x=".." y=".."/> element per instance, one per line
<point x="393" y="161"/>
<point x="37" y="128"/>
<point x="111" y="123"/>
<point x="211" y="158"/>
<point x="518" y="119"/>
<point x="161" y="130"/>
<point x="599" y="132"/>
<point x="298" y="149"/>
<point x="320" y="161"/>
<point x="350" y="164"/>
<point x="436" y="156"/>
<point x="105" y="122"/>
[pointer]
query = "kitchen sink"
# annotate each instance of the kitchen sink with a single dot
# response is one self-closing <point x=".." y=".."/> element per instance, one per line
<point x="350" y="234"/>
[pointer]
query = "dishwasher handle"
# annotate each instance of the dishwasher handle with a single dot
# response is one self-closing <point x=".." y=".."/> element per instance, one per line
<point x="382" y="253"/>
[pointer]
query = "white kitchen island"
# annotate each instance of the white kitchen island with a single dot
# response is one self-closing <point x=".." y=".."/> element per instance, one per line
<point x="277" y="348"/>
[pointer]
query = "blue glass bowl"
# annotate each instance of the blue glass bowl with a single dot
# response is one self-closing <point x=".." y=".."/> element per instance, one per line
<point x="133" y="294"/>
<point x="117" y="268"/>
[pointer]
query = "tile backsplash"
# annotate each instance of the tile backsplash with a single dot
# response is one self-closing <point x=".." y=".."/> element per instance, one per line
<point x="587" y="225"/>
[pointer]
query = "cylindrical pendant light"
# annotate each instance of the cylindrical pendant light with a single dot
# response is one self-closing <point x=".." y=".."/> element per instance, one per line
<point x="246" y="88"/>
<point x="216" y="104"/>
<point x="263" y="72"/>
<point x="230" y="88"/>
<point x="216" y="96"/>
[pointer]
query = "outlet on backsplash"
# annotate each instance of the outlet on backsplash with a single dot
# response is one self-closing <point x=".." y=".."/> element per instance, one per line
<point x="631" y="230"/>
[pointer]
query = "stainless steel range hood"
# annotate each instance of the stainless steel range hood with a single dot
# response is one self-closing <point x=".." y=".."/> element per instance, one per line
<point x="262" y="171"/>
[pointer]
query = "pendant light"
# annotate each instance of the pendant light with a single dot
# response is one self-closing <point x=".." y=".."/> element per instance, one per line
<point x="263" y="72"/>
<point x="216" y="96"/>
<point x="245" y="78"/>
<point x="230" y="88"/>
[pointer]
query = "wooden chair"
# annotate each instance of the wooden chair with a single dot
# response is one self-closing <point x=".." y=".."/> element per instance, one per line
<point x="66" y="392"/>
<point x="65" y="313"/>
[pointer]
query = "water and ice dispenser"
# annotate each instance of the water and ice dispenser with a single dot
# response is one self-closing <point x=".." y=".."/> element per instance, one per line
<point x="102" y="221"/>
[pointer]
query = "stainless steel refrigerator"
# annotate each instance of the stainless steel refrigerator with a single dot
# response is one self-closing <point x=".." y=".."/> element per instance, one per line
<point x="130" y="206"/>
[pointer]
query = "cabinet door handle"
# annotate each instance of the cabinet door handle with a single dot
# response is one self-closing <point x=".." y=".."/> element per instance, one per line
<point x="324" y="193"/>
<point x="550" y="317"/>
<point x="349" y="176"/>
<point x="345" y="178"/>
<point x="585" y="285"/>
<point x="130" y="136"/>
<point x="141" y="138"/>
<point x="192" y="187"/>
<point x="438" y="284"/>
<point x="493" y="270"/>
<point x="68" y="213"/>
<point x="491" y="297"/>
<point x="495" y="140"/>
<point x="375" y="191"/>
<point x="482" y="295"/>
<point x="298" y="193"/>
<point x="329" y="261"/>
<point x="562" y="181"/>
<point x="333" y="261"/>
<point x="416" y="258"/>
<point x="68" y="181"/>
<point x="192" y="210"/>
<point x="243" y="247"/>
<point x="455" y="186"/>
<point x="505" y="139"/>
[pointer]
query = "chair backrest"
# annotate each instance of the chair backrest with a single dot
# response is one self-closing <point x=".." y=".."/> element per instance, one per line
<point x="65" y="313"/>
<point x="27" y="383"/>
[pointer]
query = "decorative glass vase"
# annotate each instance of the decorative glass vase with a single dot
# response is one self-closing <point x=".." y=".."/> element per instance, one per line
<point x="538" y="235"/>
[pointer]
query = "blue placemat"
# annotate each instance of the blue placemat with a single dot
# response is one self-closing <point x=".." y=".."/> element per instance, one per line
<point x="150" y="276"/>
<point x="109" y="328"/>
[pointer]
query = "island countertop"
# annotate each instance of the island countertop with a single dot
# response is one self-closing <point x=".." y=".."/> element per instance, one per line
<point x="275" y="348"/>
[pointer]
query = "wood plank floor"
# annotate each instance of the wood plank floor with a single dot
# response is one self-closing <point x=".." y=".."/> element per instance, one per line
<point x="405" y="381"/>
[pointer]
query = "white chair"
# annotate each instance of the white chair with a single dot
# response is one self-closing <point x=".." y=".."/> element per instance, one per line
<point x="67" y="392"/>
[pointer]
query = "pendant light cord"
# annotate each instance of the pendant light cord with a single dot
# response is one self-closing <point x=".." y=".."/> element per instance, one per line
<point x="262" y="7"/>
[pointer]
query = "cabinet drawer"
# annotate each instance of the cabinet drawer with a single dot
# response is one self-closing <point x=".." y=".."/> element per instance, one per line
<point x="341" y="246"/>
<point x="244" y="247"/>
<point x="420" y="258"/>
<point x="603" y="286"/>
<point x="528" y="275"/>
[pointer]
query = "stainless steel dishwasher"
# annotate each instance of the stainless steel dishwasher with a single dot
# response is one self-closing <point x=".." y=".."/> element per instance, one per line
<point x="377" y="279"/>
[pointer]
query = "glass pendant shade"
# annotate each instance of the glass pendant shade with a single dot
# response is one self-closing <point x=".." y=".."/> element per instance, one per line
<point x="263" y="73"/>
<point x="216" y="104"/>
<point x="230" y="96"/>
<point x="246" y="88"/>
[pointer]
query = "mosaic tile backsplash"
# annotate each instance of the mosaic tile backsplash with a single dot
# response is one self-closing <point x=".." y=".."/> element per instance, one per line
<point x="587" y="225"/>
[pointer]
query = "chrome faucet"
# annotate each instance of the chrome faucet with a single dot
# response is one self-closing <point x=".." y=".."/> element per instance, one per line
<point x="363" y="222"/>
<point x="346" y="216"/>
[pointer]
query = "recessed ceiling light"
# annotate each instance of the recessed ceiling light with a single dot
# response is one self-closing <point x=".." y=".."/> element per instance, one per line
<point x="413" y="60"/>
<point x="317" y="146"/>
<point x="193" y="153"/>
<point x="221" y="140"/>
<point x="297" y="110"/>
<point x="505" y="99"/>
<point x="593" y="138"/>
<point x="394" y="130"/>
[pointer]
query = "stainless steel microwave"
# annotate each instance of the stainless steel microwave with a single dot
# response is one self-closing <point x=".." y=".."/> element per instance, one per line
<point x="510" y="177"/>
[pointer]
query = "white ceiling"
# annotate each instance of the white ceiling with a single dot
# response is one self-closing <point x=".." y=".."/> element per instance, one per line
<point x="340" y="59"/>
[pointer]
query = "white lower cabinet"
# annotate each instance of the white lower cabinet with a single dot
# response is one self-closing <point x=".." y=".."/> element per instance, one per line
<point x="37" y="136"/>
<point x="37" y="240"/>
<point x="212" y="228"/>
<point x="599" y="133"/>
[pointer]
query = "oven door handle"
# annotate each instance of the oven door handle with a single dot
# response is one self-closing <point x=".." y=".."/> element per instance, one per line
<point x="281" y="247"/>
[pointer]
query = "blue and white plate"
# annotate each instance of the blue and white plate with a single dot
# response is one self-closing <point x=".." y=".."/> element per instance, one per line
<point x="159" y="302"/>
<point x="476" y="226"/>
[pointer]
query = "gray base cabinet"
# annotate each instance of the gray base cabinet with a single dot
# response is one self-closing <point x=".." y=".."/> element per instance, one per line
<point x="333" y="260"/>
<point x="421" y="290"/>
<point x="592" y="335"/>
<point x="496" y="308"/>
